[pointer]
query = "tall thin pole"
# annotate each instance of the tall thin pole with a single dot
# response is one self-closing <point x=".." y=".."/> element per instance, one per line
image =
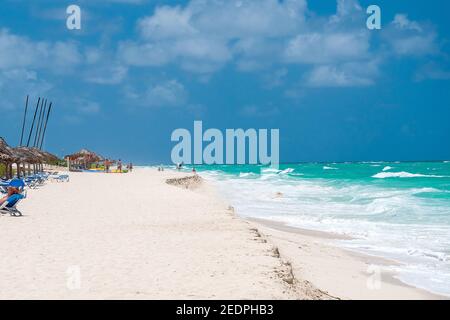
<point x="32" y="125"/>
<point x="39" y="122"/>
<point x="45" y="127"/>
<point x="23" y="124"/>
<point x="41" y="126"/>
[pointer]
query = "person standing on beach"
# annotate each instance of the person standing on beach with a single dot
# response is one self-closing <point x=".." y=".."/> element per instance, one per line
<point x="119" y="166"/>
<point x="107" y="166"/>
<point x="131" y="167"/>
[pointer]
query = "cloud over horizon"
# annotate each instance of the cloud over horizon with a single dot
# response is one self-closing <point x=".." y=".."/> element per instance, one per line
<point x="197" y="38"/>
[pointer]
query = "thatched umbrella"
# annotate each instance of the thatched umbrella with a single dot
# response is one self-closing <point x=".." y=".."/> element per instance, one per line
<point x="39" y="154"/>
<point x="7" y="156"/>
<point x="49" y="157"/>
<point x="45" y="157"/>
<point x="27" y="156"/>
<point x="40" y="157"/>
<point x="84" y="157"/>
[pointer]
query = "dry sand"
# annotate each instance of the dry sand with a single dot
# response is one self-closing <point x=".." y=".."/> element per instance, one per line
<point x="134" y="236"/>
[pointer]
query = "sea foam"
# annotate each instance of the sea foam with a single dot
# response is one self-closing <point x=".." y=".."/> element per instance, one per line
<point x="403" y="174"/>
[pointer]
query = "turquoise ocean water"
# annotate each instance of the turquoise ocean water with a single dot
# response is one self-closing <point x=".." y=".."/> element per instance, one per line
<point x="397" y="210"/>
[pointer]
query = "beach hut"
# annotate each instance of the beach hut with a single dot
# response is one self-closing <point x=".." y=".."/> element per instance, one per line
<point x="83" y="159"/>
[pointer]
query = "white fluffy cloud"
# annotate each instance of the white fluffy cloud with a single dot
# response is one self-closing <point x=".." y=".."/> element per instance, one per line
<point x="25" y="64"/>
<point x="107" y="74"/>
<point x="337" y="50"/>
<point x="411" y="38"/>
<point x="17" y="51"/>
<point x="319" y="48"/>
<point x="170" y="93"/>
<point x="167" y="23"/>
<point x="79" y="109"/>
<point x="352" y="74"/>
<point x="235" y="19"/>
<point x="15" y="84"/>
<point x="102" y="67"/>
<point x="205" y="35"/>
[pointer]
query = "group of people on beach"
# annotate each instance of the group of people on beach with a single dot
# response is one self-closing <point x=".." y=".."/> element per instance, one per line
<point x="179" y="166"/>
<point x="108" y="164"/>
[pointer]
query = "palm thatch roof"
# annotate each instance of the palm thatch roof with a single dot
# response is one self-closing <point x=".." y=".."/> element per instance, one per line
<point x="84" y="155"/>
<point x="25" y="154"/>
<point x="6" y="153"/>
<point x="38" y="154"/>
<point x="49" y="157"/>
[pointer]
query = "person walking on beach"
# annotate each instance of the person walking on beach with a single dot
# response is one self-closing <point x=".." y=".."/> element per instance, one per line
<point x="107" y="166"/>
<point x="130" y="167"/>
<point x="119" y="166"/>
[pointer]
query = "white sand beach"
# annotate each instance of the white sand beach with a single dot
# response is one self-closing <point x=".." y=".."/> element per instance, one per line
<point x="340" y="273"/>
<point x="133" y="236"/>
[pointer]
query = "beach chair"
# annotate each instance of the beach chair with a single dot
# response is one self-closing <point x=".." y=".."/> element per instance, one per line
<point x="34" y="181"/>
<point x="63" y="178"/>
<point x="30" y="182"/>
<point x="59" y="177"/>
<point x="10" y="206"/>
<point x="4" y="186"/>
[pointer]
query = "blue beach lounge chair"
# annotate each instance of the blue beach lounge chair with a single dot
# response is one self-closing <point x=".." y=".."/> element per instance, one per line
<point x="4" y="186"/>
<point x="17" y="183"/>
<point x="10" y="205"/>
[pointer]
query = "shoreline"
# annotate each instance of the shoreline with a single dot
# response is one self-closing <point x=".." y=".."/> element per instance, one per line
<point x="362" y="266"/>
<point x="357" y="268"/>
<point x="354" y="263"/>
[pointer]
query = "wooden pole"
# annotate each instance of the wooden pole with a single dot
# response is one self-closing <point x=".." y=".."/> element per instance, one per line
<point x="45" y="127"/>
<point x="32" y="125"/>
<point x="24" y="120"/>
<point x="39" y="122"/>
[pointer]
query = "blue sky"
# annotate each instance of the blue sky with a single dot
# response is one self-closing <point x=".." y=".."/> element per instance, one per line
<point x="138" y="69"/>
